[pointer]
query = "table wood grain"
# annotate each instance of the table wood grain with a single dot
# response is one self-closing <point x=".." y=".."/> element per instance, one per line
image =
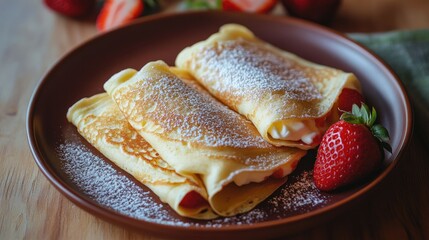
<point x="32" y="39"/>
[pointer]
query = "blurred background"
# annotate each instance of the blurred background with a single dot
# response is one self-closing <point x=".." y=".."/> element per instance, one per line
<point x="35" y="34"/>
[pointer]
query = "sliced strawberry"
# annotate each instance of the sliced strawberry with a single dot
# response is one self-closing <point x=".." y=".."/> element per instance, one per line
<point x="192" y="200"/>
<point x="317" y="139"/>
<point x="294" y="164"/>
<point x="118" y="12"/>
<point x="253" y="6"/>
<point x="347" y="98"/>
<point x="321" y="122"/>
<point x="70" y="8"/>
<point x="278" y="174"/>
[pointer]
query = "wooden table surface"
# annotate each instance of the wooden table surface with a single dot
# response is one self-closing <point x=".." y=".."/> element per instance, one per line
<point x="32" y="39"/>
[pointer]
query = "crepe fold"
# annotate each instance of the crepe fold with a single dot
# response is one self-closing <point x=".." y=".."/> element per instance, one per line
<point x="290" y="100"/>
<point x="102" y="124"/>
<point x="197" y="135"/>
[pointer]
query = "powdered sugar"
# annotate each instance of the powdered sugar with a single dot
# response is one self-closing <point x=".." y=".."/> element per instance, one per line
<point x="300" y="194"/>
<point x="249" y="70"/>
<point x="182" y="109"/>
<point x="97" y="179"/>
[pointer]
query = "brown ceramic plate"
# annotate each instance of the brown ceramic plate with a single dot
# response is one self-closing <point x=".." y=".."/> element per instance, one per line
<point x="80" y="173"/>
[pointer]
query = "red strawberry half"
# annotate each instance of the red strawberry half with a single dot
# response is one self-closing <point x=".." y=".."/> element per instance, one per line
<point x="71" y="8"/>
<point x="254" y="6"/>
<point x="118" y="12"/>
<point x="192" y="200"/>
<point x="347" y="98"/>
<point x="350" y="150"/>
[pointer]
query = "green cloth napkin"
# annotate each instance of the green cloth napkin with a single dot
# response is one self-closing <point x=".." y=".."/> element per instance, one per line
<point x="407" y="53"/>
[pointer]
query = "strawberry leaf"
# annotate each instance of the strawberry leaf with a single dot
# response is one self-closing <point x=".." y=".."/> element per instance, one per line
<point x="386" y="146"/>
<point x="349" y="117"/>
<point x="363" y="115"/>
<point x="373" y="117"/>
<point x="382" y="135"/>
<point x="356" y="111"/>
<point x="380" y="132"/>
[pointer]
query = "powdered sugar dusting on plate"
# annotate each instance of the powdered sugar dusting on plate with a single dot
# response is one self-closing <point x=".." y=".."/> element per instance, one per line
<point x="102" y="183"/>
<point x="301" y="193"/>
<point x="97" y="179"/>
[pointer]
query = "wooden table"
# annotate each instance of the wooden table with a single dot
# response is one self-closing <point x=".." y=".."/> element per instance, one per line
<point x="32" y="39"/>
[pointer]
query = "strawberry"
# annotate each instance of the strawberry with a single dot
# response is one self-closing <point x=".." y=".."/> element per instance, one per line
<point x="351" y="149"/>
<point x="320" y="11"/>
<point x="70" y="8"/>
<point x="347" y="98"/>
<point x="118" y="12"/>
<point x="254" y="6"/>
<point x="192" y="200"/>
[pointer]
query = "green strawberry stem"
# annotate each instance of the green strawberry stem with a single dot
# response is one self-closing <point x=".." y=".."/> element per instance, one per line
<point x="363" y="115"/>
<point x="203" y="4"/>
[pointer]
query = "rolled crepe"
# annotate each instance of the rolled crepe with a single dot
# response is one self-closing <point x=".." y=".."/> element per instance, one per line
<point x="101" y="123"/>
<point x="287" y="98"/>
<point x="197" y="135"/>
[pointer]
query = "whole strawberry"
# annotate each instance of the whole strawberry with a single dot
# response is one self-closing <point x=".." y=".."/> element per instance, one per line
<point x="70" y="8"/>
<point x="351" y="149"/>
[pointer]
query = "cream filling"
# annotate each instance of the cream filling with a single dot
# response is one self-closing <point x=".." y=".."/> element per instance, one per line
<point x="257" y="177"/>
<point x="304" y="130"/>
<point x="294" y="130"/>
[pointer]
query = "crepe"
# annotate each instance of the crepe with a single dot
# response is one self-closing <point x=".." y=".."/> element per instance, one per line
<point x="288" y="99"/>
<point x="197" y="135"/>
<point x="101" y="123"/>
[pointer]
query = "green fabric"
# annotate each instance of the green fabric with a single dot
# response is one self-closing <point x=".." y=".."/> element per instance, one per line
<point x="407" y="53"/>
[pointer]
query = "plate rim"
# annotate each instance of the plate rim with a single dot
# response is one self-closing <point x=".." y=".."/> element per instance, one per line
<point x="103" y="212"/>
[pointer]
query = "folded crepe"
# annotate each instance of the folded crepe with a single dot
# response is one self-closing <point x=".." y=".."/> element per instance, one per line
<point x="101" y="123"/>
<point x="288" y="99"/>
<point x="197" y="135"/>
